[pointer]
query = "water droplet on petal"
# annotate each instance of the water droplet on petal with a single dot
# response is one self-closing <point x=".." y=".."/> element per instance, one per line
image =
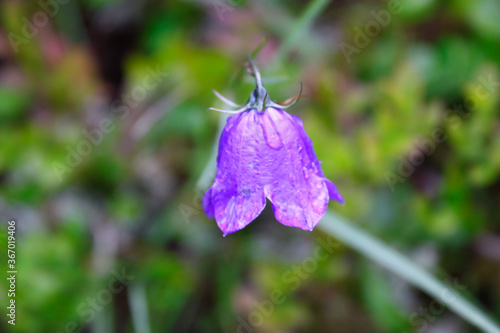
<point x="315" y="167"/>
<point x="306" y="172"/>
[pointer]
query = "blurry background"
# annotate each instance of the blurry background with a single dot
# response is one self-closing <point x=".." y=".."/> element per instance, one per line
<point x="104" y="138"/>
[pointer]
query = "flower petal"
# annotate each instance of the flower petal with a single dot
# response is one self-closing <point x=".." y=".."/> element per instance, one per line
<point x="315" y="163"/>
<point x="298" y="193"/>
<point x="271" y="133"/>
<point x="333" y="192"/>
<point x="237" y="196"/>
<point x="208" y="205"/>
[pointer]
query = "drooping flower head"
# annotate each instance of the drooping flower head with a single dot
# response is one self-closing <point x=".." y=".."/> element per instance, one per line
<point x="264" y="152"/>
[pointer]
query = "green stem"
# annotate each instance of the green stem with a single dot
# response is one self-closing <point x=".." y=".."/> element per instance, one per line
<point x="256" y="73"/>
<point x="139" y="308"/>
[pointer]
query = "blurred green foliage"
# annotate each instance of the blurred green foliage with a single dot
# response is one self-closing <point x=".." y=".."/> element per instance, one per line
<point x="133" y="201"/>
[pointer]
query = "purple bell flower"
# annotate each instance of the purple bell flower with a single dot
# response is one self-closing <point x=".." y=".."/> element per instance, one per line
<point x="264" y="152"/>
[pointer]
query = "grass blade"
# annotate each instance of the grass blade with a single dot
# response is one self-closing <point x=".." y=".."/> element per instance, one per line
<point x="399" y="264"/>
<point x="300" y="28"/>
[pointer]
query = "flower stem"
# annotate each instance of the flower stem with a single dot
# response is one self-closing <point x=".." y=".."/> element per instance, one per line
<point x="256" y="73"/>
